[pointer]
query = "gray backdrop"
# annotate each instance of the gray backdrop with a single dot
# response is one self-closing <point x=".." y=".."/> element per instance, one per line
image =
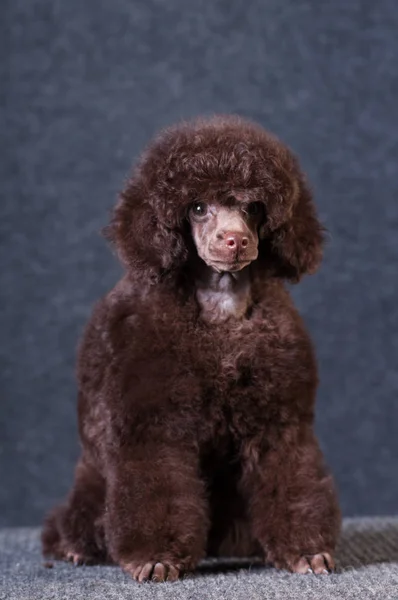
<point x="84" y="85"/>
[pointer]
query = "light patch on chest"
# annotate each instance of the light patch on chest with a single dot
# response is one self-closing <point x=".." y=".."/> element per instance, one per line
<point x="222" y="296"/>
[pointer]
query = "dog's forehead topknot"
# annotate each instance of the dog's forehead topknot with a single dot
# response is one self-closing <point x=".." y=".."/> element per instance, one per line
<point x="219" y="152"/>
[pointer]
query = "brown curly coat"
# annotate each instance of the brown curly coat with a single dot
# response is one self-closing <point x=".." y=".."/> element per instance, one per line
<point x="197" y="437"/>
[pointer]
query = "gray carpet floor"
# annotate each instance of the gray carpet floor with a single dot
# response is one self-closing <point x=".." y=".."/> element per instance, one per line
<point x="367" y="568"/>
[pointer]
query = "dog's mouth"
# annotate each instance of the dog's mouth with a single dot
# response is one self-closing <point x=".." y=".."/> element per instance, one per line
<point x="228" y="266"/>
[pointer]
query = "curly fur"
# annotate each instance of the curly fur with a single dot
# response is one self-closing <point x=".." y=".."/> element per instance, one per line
<point x="197" y="437"/>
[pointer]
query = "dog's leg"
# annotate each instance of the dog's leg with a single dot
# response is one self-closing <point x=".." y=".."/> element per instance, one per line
<point x="156" y="513"/>
<point x="51" y="540"/>
<point x="79" y="521"/>
<point x="292" y="501"/>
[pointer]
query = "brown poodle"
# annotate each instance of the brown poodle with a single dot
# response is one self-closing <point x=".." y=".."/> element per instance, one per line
<point x="197" y="377"/>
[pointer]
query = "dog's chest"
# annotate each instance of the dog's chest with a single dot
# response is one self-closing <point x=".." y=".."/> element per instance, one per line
<point x="225" y="297"/>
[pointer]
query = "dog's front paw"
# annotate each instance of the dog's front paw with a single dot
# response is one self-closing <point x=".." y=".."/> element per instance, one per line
<point x="320" y="564"/>
<point x="153" y="571"/>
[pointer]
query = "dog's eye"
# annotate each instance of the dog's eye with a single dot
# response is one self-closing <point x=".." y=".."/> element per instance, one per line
<point x="254" y="209"/>
<point x="199" y="209"/>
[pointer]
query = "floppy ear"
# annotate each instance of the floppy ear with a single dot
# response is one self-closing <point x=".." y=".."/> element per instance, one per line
<point x="143" y="242"/>
<point x="298" y="241"/>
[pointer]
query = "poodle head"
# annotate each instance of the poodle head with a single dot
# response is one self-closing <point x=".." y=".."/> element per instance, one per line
<point x="222" y="189"/>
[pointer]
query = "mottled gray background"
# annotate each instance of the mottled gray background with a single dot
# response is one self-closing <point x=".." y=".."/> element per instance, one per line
<point x="83" y="87"/>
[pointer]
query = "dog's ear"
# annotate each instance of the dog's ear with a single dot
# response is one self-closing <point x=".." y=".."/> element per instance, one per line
<point x="298" y="242"/>
<point x="143" y="242"/>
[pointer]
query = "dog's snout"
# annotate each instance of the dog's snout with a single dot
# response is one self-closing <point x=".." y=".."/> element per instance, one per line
<point x="232" y="241"/>
<point x="235" y="240"/>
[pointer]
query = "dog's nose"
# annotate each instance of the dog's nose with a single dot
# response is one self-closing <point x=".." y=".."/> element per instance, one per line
<point x="235" y="240"/>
